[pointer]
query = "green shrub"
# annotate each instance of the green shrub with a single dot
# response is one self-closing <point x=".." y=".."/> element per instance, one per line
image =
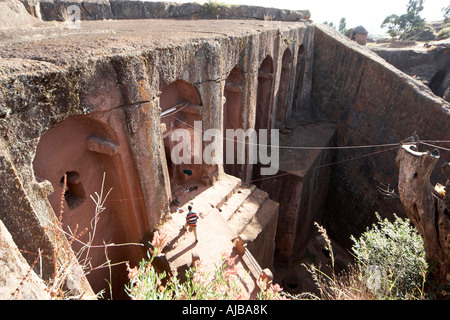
<point x="214" y="7"/>
<point x="392" y="256"/>
<point x="443" y="34"/>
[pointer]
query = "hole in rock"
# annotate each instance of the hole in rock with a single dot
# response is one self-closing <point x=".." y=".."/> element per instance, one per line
<point x="74" y="194"/>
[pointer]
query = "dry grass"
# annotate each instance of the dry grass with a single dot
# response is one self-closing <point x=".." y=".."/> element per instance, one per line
<point x="67" y="263"/>
<point x="346" y="285"/>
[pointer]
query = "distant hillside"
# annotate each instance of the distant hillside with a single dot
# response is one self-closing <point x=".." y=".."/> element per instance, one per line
<point x="434" y="30"/>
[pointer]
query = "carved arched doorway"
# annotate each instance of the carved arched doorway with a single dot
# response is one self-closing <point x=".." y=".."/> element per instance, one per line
<point x="264" y="95"/>
<point x="232" y="117"/>
<point x="283" y="88"/>
<point x="299" y="76"/>
<point x="84" y="150"/>
<point x="180" y="109"/>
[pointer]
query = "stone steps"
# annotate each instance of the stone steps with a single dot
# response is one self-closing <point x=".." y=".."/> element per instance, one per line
<point x="227" y="210"/>
<point x="217" y="195"/>
<point x="214" y="238"/>
<point x="236" y="200"/>
<point x="203" y="204"/>
<point x="246" y="211"/>
<point x="260" y="220"/>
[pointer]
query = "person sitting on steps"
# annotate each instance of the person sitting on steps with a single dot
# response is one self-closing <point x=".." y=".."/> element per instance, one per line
<point x="191" y="221"/>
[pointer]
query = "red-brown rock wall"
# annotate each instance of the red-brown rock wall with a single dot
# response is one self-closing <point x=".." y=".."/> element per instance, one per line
<point x="372" y="103"/>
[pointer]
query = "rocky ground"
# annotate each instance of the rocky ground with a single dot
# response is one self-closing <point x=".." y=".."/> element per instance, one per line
<point x="427" y="61"/>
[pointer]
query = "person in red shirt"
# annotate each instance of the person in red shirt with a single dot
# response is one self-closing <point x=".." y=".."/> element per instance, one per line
<point x="191" y="221"/>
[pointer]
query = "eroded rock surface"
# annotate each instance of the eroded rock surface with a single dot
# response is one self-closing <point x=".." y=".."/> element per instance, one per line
<point x="17" y="278"/>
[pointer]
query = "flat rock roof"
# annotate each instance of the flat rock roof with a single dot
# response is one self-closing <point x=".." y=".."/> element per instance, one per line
<point x="53" y="45"/>
<point x="312" y="138"/>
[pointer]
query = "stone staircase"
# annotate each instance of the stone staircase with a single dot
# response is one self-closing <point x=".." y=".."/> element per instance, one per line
<point x="229" y="211"/>
<point x="246" y="208"/>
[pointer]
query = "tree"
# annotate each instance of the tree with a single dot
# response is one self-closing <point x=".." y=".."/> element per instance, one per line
<point x="343" y="26"/>
<point x="330" y="24"/>
<point x="407" y="24"/>
<point x="394" y="25"/>
<point x="446" y="12"/>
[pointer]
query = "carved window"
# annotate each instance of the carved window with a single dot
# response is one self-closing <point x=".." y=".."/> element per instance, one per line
<point x="74" y="193"/>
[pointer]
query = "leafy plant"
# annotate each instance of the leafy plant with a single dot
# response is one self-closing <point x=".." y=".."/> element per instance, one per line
<point x="392" y="254"/>
<point x="200" y="284"/>
<point x="214" y="7"/>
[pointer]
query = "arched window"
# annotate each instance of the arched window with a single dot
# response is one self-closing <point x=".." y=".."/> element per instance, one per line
<point x="232" y="114"/>
<point x="282" y="101"/>
<point x="299" y="75"/>
<point x="264" y="95"/>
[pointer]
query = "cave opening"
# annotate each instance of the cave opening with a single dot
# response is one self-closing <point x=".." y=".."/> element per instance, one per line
<point x="435" y="83"/>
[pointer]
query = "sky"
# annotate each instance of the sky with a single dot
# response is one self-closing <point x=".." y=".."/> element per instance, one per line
<point x="369" y="14"/>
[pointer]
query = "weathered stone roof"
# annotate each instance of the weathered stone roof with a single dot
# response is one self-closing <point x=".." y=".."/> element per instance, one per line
<point x="54" y="45"/>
